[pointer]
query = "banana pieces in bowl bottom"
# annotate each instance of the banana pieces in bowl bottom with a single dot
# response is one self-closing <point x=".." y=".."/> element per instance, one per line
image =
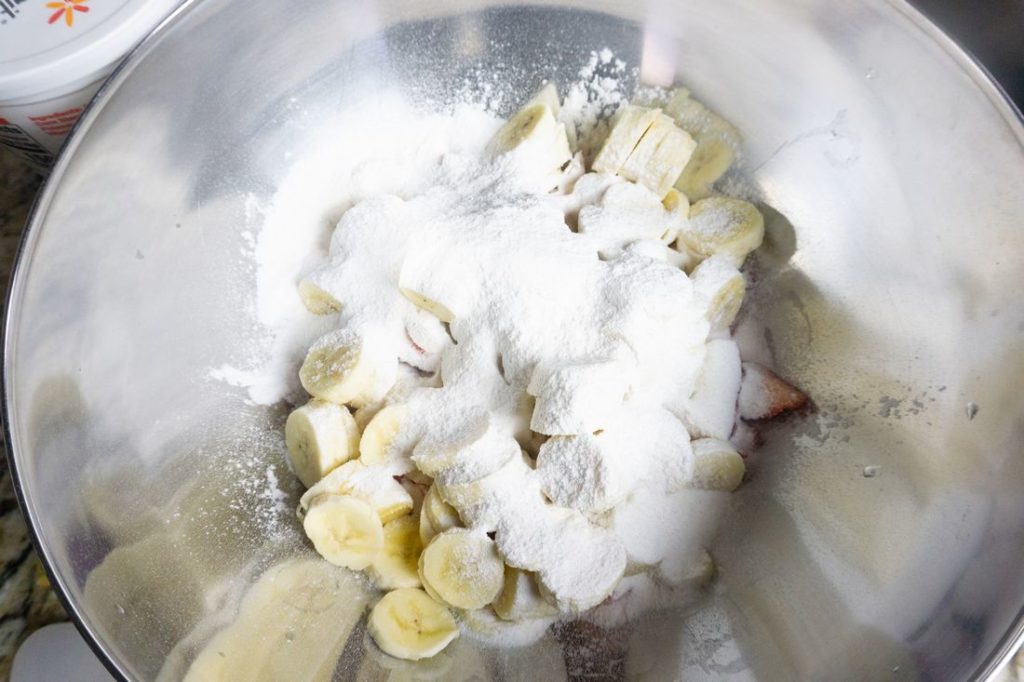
<point x="191" y="463"/>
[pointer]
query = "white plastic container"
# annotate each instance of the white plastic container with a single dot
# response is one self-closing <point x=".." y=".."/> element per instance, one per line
<point x="54" y="55"/>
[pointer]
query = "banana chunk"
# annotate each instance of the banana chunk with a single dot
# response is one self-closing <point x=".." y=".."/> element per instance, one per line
<point x="588" y="472"/>
<point x="579" y="398"/>
<point x="484" y="626"/>
<point x="723" y="225"/>
<point x="625" y="213"/>
<point x="424" y="302"/>
<point x="345" y="367"/>
<point x="521" y="598"/>
<point x="301" y="613"/>
<point x="659" y="157"/>
<point x="721" y="287"/>
<point x="436" y="516"/>
<point x="718" y="143"/>
<point x="407" y="623"/>
<point x="381" y="435"/>
<point x="373" y="485"/>
<point x="716" y="465"/>
<point x="320" y="437"/>
<point x="548" y="96"/>
<point x="397" y="565"/>
<point x="461" y="567"/>
<point x="483" y="502"/>
<point x="687" y="571"/>
<point x="536" y="142"/>
<point x="574" y="589"/>
<point x="630" y="125"/>
<point x="344" y="530"/>
<point x="317" y="300"/>
<point x="711" y="410"/>
<point x="464" y="444"/>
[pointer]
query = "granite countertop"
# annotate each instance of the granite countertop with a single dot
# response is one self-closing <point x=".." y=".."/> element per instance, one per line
<point x="27" y="601"/>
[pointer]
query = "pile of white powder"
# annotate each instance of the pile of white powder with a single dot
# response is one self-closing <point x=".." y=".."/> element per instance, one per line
<point x="593" y="338"/>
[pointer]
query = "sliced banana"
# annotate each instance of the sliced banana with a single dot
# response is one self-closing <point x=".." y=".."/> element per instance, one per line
<point x="723" y="225"/>
<point x="721" y="287"/>
<point x="484" y="626"/>
<point x="548" y="96"/>
<point x="320" y="437"/>
<point x="376" y="445"/>
<point x="659" y="157"/>
<point x="595" y="548"/>
<point x="345" y="367"/>
<point x="407" y="623"/>
<point x="588" y="472"/>
<point x="372" y="484"/>
<point x="397" y="565"/>
<point x="687" y="572"/>
<point x="344" y="530"/>
<point x="461" y="567"/>
<point x="482" y="503"/>
<point x="678" y="207"/>
<point x="716" y="465"/>
<point x="318" y="301"/>
<point x="536" y="142"/>
<point x="441" y="515"/>
<point x="625" y="214"/>
<point x="577" y="398"/>
<point x="455" y="445"/>
<point x="718" y="143"/>
<point x="424" y="302"/>
<point x="292" y="624"/>
<point x="521" y="598"/>
<point x="630" y="125"/>
<point x="711" y="410"/>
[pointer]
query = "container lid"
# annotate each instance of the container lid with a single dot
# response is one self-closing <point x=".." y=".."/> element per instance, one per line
<point x="46" y="44"/>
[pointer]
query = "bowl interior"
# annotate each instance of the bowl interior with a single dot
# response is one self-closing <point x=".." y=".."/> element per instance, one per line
<point x="890" y="173"/>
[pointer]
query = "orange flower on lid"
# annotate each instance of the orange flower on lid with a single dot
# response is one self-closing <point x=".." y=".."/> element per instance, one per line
<point x="67" y="9"/>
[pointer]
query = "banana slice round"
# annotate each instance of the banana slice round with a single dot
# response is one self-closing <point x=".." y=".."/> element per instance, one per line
<point x="424" y="302"/>
<point x="711" y="410"/>
<point x="344" y="367"/>
<point x="536" y="142"/>
<point x="442" y="515"/>
<point x="461" y="567"/>
<point x="408" y="623"/>
<point x="344" y="530"/>
<point x="381" y="434"/>
<point x="720" y="285"/>
<point x="484" y="626"/>
<point x="443" y="451"/>
<point x="630" y="125"/>
<point x="521" y="598"/>
<point x="718" y="143"/>
<point x="320" y="437"/>
<point x="679" y="572"/>
<point x="599" y="551"/>
<point x="374" y="485"/>
<point x="716" y="465"/>
<point x="711" y="158"/>
<point x="317" y="300"/>
<point x="397" y="565"/>
<point x="724" y="225"/>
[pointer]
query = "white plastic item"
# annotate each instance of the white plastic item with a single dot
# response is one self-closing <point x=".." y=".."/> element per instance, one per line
<point x="57" y="652"/>
<point x="54" y="55"/>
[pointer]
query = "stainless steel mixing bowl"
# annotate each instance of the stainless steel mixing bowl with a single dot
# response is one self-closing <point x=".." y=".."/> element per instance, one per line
<point x="881" y="536"/>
